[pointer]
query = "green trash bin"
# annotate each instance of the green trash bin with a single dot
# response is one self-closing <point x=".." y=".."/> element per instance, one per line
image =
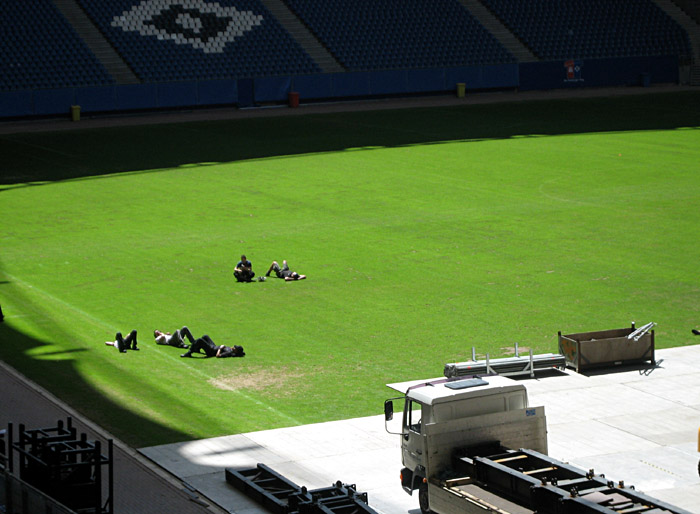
<point x="461" y="88"/>
<point x="75" y="112"/>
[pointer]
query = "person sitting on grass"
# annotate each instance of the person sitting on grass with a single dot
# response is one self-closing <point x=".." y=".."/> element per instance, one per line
<point x="284" y="272"/>
<point x="124" y="343"/>
<point x="211" y="349"/>
<point x="175" y="339"/>
<point x="244" y="270"/>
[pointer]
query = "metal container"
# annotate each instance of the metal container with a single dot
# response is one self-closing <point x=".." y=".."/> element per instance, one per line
<point x="606" y="348"/>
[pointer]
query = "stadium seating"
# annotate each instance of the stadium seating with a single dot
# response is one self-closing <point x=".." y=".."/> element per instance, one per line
<point x="586" y="29"/>
<point x="188" y="40"/>
<point x="39" y="49"/>
<point x="368" y="35"/>
<point x="165" y="40"/>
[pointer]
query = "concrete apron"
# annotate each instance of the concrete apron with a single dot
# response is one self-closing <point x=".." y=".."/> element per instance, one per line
<point x="636" y="424"/>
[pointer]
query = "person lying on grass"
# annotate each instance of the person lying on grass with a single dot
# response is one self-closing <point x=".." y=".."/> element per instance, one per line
<point x="211" y="349"/>
<point x="175" y="339"/>
<point x="284" y="272"/>
<point x="124" y="343"/>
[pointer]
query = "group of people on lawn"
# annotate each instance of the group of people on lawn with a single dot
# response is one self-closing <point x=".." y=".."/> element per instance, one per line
<point x="177" y="339"/>
<point x="243" y="273"/>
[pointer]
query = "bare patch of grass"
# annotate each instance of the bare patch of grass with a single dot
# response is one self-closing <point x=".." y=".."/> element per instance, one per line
<point x="282" y="380"/>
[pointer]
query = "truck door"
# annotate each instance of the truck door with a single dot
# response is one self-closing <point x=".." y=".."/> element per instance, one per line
<point x="412" y="442"/>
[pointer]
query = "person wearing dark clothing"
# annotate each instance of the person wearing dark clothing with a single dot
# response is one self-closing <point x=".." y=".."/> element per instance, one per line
<point x="244" y="270"/>
<point x="696" y="332"/>
<point x="211" y="349"/>
<point x="284" y="272"/>
<point x="124" y="343"/>
<point x="175" y="339"/>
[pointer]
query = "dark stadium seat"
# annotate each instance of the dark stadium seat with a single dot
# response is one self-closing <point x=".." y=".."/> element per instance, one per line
<point x="419" y="33"/>
<point x="586" y="29"/>
<point x="40" y="49"/>
<point x="186" y="40"/>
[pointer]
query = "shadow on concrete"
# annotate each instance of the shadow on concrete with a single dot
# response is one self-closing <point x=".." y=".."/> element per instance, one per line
<point x="542" y="373"/>
<point x="644" y="368"/>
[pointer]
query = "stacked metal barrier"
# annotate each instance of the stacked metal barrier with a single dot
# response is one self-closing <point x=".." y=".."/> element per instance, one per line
<point x="280" y="495"/>
<point x="549" y="486"/>
<point x="508" y="366"/>
<point x="63" y="465"/>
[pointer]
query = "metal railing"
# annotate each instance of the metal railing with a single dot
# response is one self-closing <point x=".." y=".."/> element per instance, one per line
<point x="18" y="497"/>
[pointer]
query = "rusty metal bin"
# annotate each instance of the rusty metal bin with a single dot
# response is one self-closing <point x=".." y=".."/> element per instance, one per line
<point x="606" y="348"/>
<point x="293" y="98"/>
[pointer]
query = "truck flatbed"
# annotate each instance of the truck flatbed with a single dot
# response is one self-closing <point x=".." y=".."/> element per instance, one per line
<point x="464" y="495"/>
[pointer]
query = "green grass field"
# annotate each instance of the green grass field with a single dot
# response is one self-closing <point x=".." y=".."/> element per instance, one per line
<point x="423" y="232"/>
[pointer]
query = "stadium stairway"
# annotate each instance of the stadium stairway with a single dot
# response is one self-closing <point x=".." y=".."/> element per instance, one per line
<point x="499" y="31"/>
<point x="685" y="21"/>
<point x="695" y="75"/>
<point x="691" y="7"/>
<point x="94" y="39"/>
<point x="323" y="58"/>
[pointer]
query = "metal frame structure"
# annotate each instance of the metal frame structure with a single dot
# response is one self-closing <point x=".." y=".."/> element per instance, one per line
<point x="549" y="486"/>
<point x="280" y="495"/>
<point x="64" y="466"/>
<point x="508" y="366"/>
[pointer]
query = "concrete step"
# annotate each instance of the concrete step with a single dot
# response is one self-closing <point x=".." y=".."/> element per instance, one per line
<point x="499" y="31"/>
<point x="695" y="75"/>
<point x="96" y="42"/>
<point x="302" y="35"/>
<point x="686" y="22"/>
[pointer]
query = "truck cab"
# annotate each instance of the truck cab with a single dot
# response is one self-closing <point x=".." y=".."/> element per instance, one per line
<point x="441" y="416"/>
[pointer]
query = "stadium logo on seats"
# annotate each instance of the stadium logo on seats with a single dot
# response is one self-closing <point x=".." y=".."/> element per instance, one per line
<point x="573" y="70"/>
<point x="207" y="26"/>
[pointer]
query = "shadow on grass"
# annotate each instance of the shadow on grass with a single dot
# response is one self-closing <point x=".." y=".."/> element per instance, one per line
<point x="33" y="158"/>
<point x="62" y="378"/>
<point x="541" y="373"/>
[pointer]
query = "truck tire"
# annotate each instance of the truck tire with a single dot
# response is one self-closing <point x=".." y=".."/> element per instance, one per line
<point x="423" y="498"/>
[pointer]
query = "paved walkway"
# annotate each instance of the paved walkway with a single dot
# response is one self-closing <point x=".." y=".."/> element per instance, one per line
<point x="635" y="424"/>
<point x="639" y="425"/>
<point x="228" y="113"/>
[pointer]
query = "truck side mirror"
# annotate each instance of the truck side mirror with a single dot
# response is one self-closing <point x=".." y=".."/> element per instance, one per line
<point x="388" y="410"/>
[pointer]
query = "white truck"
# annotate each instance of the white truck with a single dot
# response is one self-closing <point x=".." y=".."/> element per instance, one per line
<point x="474" y="445"/>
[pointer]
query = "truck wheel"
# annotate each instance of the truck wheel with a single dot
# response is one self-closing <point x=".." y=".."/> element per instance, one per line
<point x="423" y="498"/>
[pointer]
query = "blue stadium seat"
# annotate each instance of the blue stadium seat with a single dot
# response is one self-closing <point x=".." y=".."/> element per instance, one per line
<point x="424" y="32"/>
<point x="40" y="49"/>
<point x="586" y="29"/>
